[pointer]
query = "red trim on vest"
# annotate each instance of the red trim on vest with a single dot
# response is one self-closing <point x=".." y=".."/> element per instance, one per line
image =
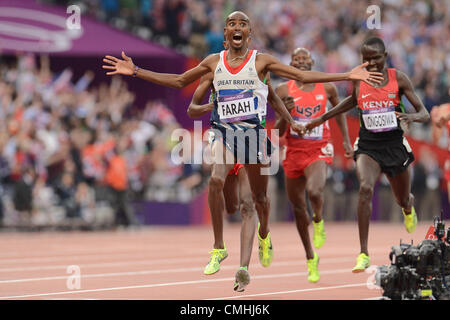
<point x="234" y="70"/>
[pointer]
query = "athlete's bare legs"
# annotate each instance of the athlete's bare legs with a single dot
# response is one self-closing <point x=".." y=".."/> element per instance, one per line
<point x="367" y="171"/>
<point x="216" y="198"/>
<point x="316" y="175"/>
<point x="295" y="188"/>
<point x="258" y="184"/>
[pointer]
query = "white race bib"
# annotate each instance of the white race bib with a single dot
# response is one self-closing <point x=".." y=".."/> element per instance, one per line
<point x="315" y="134"/>
<point x="237" y="107"/>
<point x="378" y="120"/>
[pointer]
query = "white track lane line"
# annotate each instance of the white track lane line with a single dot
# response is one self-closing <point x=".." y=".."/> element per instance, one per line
<point x="179" y="283"/>
<point x="144" y="261"/>
<point x="290" y="291"/>
<point x="158" y="271"/>
<point x="77" y="254"/>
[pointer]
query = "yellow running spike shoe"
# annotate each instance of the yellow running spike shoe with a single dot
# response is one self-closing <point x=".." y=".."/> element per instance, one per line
<point x="362" y="263"/>
<point x="319" y="235"/>
<point x="313" y="269"/>
<point x="265" y="250"/>
<point x="410" y="220"/>
<point x="217" y="256"/>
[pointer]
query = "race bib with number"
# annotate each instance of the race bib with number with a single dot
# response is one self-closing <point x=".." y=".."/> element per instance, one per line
<point x="379" y="120"/>
<point x="237" y="107"/>
<point x="315" y="134"/>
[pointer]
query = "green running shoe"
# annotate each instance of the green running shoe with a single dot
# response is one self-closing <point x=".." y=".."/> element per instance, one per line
<point x="217" y="256"/>
<point x="265" y="250"/>
<point x="313" y="269"/>
<point x="319" y="235"/>
<point x="362" y="263"/>
<point x="410" y="220"/>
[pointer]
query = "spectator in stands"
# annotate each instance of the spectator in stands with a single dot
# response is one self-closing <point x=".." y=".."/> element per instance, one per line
<point x="47" y="117"/>
<point x="66" y="190"/>
<point x="66" y="131"/>
<point x="117" y="179"/>
<point x="23" y="196"/>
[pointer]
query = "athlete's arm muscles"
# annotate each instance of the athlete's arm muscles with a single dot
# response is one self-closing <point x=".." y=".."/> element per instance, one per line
<point x="405" y="87"/>
<point x="196" y="109"/>
<point x="341" y="120"/>
<point x="272" y="64"/>
<point x="126" y="66"/>
<point x="288" y="102"/>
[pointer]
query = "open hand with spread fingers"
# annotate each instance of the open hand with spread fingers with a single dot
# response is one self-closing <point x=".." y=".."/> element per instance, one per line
<point x="119" y="66"/>
<point x="370" y="77"/>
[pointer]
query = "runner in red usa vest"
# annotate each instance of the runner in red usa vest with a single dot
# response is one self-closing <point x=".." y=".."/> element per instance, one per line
<point x="307" y="156"/>
<point x="381" y="146"/>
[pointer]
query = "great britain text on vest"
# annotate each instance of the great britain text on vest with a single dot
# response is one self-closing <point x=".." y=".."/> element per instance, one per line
<point x="236" y="82"/>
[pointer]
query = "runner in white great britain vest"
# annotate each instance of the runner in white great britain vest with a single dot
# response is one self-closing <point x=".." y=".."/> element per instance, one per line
<point x="241" y="99"/>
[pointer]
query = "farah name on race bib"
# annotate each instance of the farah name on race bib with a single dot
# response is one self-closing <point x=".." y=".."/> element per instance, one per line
<point x="314" y="134"/>
<point x="378" y="120"/>
<point x="237" y="107"/>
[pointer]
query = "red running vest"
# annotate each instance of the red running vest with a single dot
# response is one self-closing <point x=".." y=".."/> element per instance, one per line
<point x="377" y="107"/>
<point x="308" y="106"/>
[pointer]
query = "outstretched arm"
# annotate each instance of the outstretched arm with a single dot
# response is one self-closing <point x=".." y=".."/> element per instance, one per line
<point x="196" y="109"/>
<point x="341" y="120"/>
<point x="272" y="64"/>
<point x="125" y="66"/>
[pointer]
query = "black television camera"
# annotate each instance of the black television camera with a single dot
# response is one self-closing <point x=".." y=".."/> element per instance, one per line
<point x="418" y="272"/>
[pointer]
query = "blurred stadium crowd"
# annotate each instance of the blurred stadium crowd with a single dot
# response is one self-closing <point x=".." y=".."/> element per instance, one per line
<point x="73" y="155"/>
<point x="416" y="32"/>
<point x="64" y="144"/>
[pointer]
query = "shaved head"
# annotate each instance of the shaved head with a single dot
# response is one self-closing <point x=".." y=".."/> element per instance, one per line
<point x="301" y="58"/>
<point x="238" y="15"/>
<point x="374" y="42"/>
<point x="237" y="30"/>
<point x="298" y="50"/>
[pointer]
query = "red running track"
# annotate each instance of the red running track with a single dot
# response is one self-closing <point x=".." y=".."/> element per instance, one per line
<point x="166" y="263"/>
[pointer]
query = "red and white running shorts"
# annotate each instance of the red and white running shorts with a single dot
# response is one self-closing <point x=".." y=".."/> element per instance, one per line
<point x="297" y="160"/>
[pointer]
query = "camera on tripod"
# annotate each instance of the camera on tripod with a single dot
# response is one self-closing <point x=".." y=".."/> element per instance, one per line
<point x="418" y="272"/>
